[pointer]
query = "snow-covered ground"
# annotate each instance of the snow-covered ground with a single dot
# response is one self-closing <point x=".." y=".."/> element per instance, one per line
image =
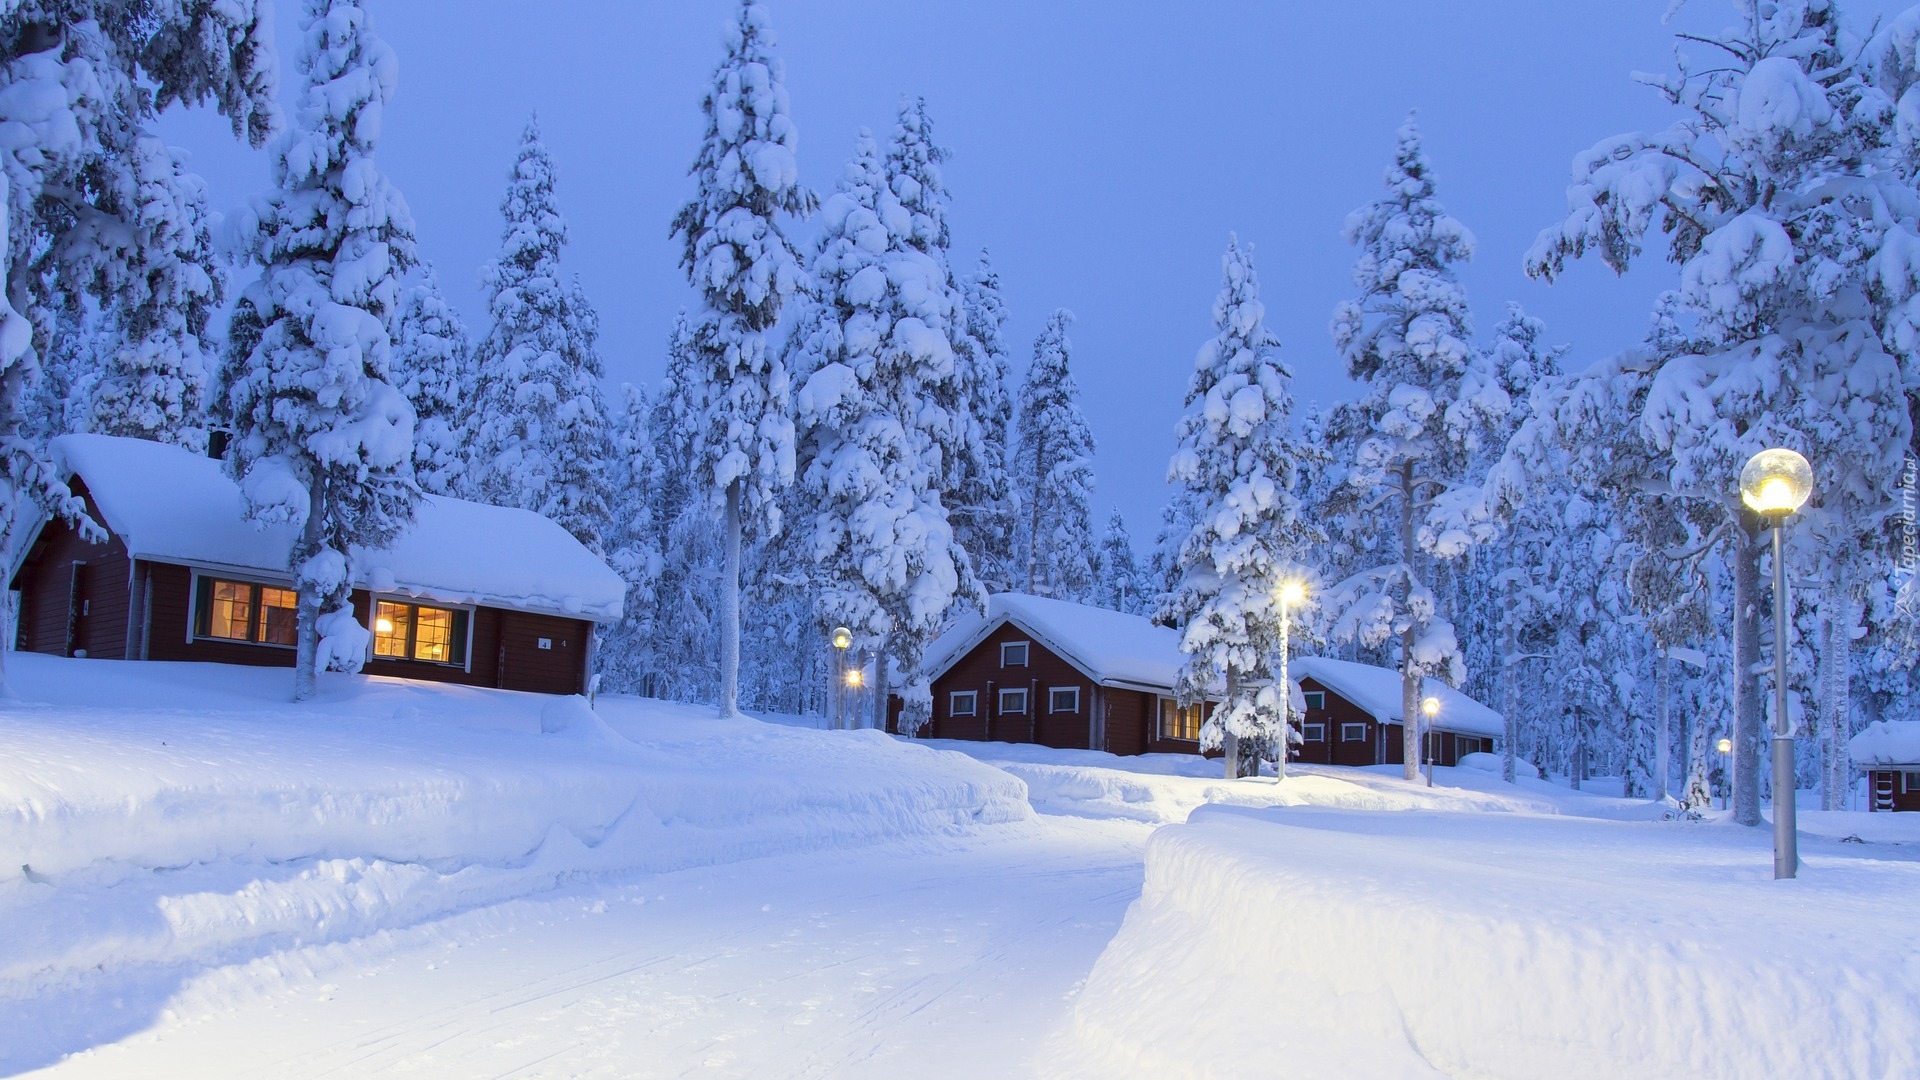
<point x="417" y="879"/>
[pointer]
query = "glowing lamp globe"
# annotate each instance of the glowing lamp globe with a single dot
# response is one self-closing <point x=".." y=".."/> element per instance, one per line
<point x="1725" y="746"/>
<point x="1431" y="706"/>
<point x="854" y="678"/>
<point x="1292" y="592"/>
<point x="842" y="637"/>
<point x="1776" y="482"/>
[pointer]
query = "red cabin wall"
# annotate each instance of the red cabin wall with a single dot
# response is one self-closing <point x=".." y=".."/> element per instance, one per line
<point x="74" y="596"/>
<point x="980" y="671"/>
<point x="1894" y="789"/>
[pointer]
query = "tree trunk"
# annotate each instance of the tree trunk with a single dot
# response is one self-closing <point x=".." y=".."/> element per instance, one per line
<point x="1283" y="732"/>
<point x="1510" y="648"/>
<point x="1577" y="761"/>
<point x="1663" y="735"/>
<point x="307" y="609"/>
<point x="881" y="687"/>
<point x="1836" y="603"/>
<point x="1409" y="678"/>
<point x="1746" y="688"/>
<point x="8" y="615"/>
<point x="730" y="609"/>
<point x="1230" y="742"/>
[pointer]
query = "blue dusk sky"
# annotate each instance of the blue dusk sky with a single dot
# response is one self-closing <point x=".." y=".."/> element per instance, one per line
<point x="1103" y="151"/>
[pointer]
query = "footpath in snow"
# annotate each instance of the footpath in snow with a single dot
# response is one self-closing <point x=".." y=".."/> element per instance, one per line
<point x="164" y="818"/>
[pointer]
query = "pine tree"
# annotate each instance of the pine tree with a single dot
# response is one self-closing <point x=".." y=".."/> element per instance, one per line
<point x="1428" y="407"/>
<point x="85" y="81"/>
<point x="1119" y="582"/>
<point x="881" y="415"/>
<point x="433" y="365"/>
<point x="1053" y="471"/>
<point x="985" y="506"/>
<point x="745" y="269"/>
<point x="323" y="439"/>
<point x="540" y="433"/>
<point x="682" y="664"/>
<point x="1238" y="463"/>
<point x="633" y="545"/>
<point x="1804" y="307"/>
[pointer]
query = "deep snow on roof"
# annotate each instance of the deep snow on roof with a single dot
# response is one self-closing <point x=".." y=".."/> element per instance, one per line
<point x="1886" y="742"/>
<point x="1376" y="690"/>
<point x="171" y="505"/>
<point x="1111" y="646"/>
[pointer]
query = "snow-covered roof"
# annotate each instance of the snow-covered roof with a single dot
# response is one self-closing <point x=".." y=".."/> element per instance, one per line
<point x="1113" y="648"/>
<point x="1376" y="690"/>
<point x="170" y="505"/>
<point x="1886" y="742"/>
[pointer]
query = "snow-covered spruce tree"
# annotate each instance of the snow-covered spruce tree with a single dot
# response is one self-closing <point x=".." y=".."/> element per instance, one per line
<point x="1787" y="191"/>
<point x="1120" y="584"/>
<point x="433" y="366"/>
<point x="1427" y="407"/>
<point x="81" y="82"/>
<point x="685" y="591"/>
<point x="745" y="269"/>
<point x="540" y="438"/>
<point x="1237" y="460"/>
<point x="323" y="440"/>
<point x="633" y="543"/>
<point x="985" y="506"/>
<point x="879" y="414"/>
<point x="1053" y="472"/>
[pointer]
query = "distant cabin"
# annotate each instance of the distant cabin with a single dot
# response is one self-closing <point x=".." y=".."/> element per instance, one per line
<point x="472" y="594"/>
<point x="1038" y="670"/>
<point x="1354" y="716"/>
<point x="1889" y="751"/>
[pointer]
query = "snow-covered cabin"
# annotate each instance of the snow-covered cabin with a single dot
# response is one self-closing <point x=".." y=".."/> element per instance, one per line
<point x="1889" y="751"/>
<point x="474" y="594"/>
<point x="1066" y="675"/>
<point x="1354" y="716"/>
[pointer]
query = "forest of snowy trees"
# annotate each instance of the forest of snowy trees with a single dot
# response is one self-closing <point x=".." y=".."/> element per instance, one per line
<point x="844" y="436"/>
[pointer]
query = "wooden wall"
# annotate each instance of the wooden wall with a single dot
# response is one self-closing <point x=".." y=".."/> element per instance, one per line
<point x="74" y="596"/>
<point x="1894" y="789"/>
<point x="980" y="671"/>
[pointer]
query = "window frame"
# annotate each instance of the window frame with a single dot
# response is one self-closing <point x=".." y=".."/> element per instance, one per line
<point x="973" y="703"/>
<point x="1026" y="653"/>
<point x="1307" y="731"/>
<point x="1053" y="699"/>
<point x="1001" y="702"/>
<point x="200" y="614"/>
<point x="1352" y="725"/>
<point x="1316" y="700"/>
<point x="463" y="620"/>
<point x="1180" y="714"/>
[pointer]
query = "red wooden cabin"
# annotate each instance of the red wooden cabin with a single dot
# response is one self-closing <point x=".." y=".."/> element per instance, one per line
<point x="1889" y="751"/>
<point x="1354" y="716"/>
<point x="473" y="594"/>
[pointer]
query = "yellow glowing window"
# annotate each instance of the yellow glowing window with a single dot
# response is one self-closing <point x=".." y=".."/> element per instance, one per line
<point x="279" y="614"/>
<point x="412" y="632"/>
<point x="230" y="610"/>
<point x="1180" y="722"/>
<point x="392" y="623"/>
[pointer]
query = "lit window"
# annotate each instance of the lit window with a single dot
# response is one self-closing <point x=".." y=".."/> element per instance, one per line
<point x="1013" y="654"/>
<point x="245" y="611"/>
<point x="1314" y="732"/>
<point x="392" y="623"/>
<point x="1316" y="700"/>
<point x="1063" y="699"/>
<point x="962" y="703"/>
<point x="1013" y="701"/>
<point x="1353" y="733"/>
<point x="414" y="632"/>
<point x="1180" y="722"/>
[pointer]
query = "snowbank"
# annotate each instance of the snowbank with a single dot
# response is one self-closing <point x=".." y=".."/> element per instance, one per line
<point x="175" y="813"/>
<point x="1331" y="943"/>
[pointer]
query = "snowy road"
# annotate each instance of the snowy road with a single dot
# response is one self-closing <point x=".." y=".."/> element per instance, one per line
<point x="885" y="962"/>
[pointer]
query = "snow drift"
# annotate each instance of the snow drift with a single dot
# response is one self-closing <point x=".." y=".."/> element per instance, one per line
<point x="1332" y="943"/>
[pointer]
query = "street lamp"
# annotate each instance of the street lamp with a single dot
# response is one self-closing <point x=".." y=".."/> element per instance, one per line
<point x="1431" y="707"/>
<point x="842" y="639"/>
<point x="1774" y="484"/>
<point x="1725" y="746"/>
<point x="1290" y="593"/>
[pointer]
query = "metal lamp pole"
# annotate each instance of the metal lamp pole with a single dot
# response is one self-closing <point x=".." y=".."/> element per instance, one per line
<point x="842" y="639"/>
<point x="1289" y="593"/>
<point x="1774" y="484"/>
<point x="1431" y="707"/>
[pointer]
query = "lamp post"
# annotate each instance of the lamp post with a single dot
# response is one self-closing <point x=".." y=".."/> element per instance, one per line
<point x="1431" y="707"/>
<point x="1774" y="484"/>
<point x="842" y="639"/>
<point x="853" y="681"/>
<point x="1290" y="593"/>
